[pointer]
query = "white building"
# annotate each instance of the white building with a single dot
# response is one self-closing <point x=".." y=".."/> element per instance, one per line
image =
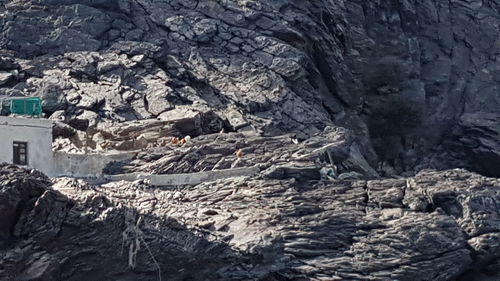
<point x="27" y="142"/>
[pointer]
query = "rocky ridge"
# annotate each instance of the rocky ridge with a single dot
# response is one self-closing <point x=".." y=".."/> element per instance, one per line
<point x="434" y="226"/>
<point x="402" y="76"/>
<point x="282" y="156"/>
<point x="382" y="90"/>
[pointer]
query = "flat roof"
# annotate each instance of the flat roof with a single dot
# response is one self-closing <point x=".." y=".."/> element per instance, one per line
<point x="24" y="121"/>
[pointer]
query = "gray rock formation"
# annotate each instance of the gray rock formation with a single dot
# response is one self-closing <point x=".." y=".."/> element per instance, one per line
<point x="427" y="68"/>
<point x="434" y="226"/>
<point x="279" y="156"/>
<point x="18" y="189"/>
<point x="401" y="75"/>
<point x="380" y="89"/>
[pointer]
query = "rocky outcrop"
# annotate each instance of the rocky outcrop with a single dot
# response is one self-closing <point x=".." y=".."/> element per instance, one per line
<point x="426" y="69"/>
<point x="18" y="189"/>
<point x="478" y="136"/>
<point x="140" y="60"/>
<point x="402" y="73"/>
<point x="279" y="156"/>
<point x="374" y="88"/>
<point x="434" y="226"/>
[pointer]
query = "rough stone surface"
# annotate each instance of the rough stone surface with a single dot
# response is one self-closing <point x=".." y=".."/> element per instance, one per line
<point x="379" y="90"/>
<point x="436" y="227"/>
<point x="18" y="189"/>
<point x="280" y="156"/>
<point x="402" y="75"/>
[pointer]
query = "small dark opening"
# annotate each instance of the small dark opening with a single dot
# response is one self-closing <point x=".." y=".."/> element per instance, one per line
<point x="20" y="153"/>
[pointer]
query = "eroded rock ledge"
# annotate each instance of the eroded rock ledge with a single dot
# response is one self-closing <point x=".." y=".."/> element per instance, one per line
<point x="433" y="226"/>
<point x="405" y="77"/>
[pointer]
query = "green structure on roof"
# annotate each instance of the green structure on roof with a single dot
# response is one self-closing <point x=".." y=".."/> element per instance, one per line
<point x="26" y="106"/>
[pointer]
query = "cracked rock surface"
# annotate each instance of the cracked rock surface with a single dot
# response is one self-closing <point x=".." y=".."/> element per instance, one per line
<point x="280" y="157"/>
<point x="403" y="75"/>
<point x="397" y="94"/>
<point x="434" y="226"/>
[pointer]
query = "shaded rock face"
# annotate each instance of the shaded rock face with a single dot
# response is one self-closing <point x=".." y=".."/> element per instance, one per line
<point x="434" y="64"/>
<point x="401" y="73"/>
<point x="18" y="189"/>
<point x="434" y="226"/>
<point x="479" y="133"/>
<point x="59" y="237"/>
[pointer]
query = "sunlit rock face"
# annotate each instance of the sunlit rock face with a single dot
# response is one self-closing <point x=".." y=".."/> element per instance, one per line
<point x="383" y="88"/>
<point x="401" y="75"/>
<point x="434" y="226"/>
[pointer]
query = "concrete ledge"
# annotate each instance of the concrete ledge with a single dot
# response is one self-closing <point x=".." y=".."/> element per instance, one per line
<point x="85" y="165"/>
<point x="26" y="122"/>
<point x="186" y="179"/>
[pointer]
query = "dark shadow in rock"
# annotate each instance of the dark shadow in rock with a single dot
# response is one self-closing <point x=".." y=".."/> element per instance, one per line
<point x="58" y="238"/>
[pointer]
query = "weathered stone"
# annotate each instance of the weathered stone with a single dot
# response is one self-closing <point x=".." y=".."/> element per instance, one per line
<point x="479" y="135"/>
<point x="6" y="77"/>
<point x="17" y="191"/>
<point x="290" y="72"/>
<point x="249" y="228"/>
<point x="300" y="85"/>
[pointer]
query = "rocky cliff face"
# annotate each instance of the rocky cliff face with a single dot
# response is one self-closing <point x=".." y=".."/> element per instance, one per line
<point x="428" y="73"/>
<point x="402" y="75"/>
<point x="434" y="226"/>
<point x="381" y="89"/>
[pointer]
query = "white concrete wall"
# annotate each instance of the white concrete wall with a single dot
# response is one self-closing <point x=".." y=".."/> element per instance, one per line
<point x="85" y="165"/>
<point x="36" y="132"/>
<point x="187" y="179"/>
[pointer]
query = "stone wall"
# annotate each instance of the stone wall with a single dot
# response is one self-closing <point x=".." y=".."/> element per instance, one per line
<point x="85" y="165"/>
<point x="187" y="179"/>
